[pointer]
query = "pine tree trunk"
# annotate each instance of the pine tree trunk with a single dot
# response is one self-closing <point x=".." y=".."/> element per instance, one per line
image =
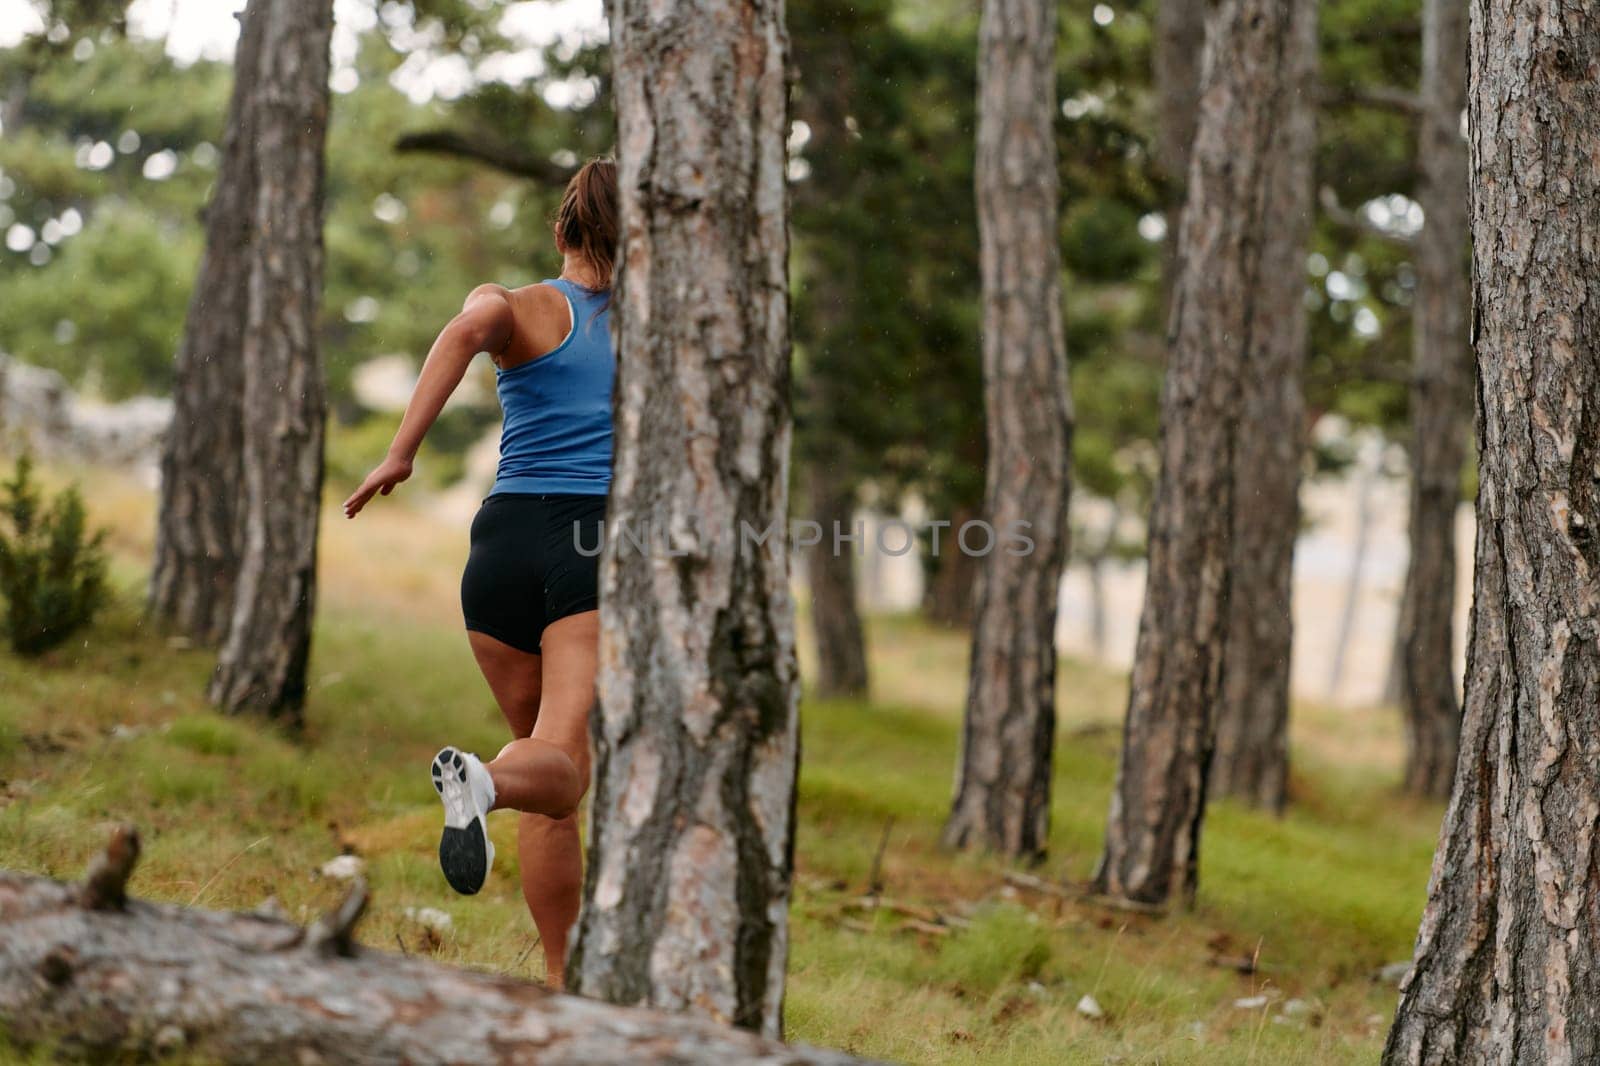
<point x="950" y="594"/>
<point x="1095" y="562"/>
<point x="827" y="314"/>
<point x="199" y="526"/>
<point x="1218" y="331"/>
<point x="263" y="662"/>
<point x="1507" y="961"/>
<point x="1251" y="760"/>
<point x="1440" y="394"/>
<point x="692" y="829"/>
<point x="1356" y="577"/>
<point x="1179" y="46"/>
<point x="1002" y="798"/>
<point x="1180" y="42"/>
<point x="835" y="617"/>
<point x="1397" y="654"/>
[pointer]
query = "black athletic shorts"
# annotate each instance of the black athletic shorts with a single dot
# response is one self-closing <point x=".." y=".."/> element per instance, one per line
<point x="534" y="560"/>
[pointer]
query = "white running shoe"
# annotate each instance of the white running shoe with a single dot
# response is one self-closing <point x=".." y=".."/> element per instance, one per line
<point x="467" y="791"/>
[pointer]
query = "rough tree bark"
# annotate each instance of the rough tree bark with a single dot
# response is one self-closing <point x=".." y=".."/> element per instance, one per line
<point x="262" y="666"/>
<point x="1002" y="798"/>
<point x="1153" y="832"/>
<point x="200" y="520"/>
<point x="1507" y="961"/>
<point x="692" y="826"/>
<point x="89" y="974"/>
<point x="1440" y="397"/>
<point x="835" y="617"/>
<point x="1251" y="758"/>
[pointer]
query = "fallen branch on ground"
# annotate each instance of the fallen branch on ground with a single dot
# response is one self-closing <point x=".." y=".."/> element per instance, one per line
<point x="875" y="877"/>
<point x="89" y="973"/>
<point x="905" y="910"/>
<point x="1029" y="883"/>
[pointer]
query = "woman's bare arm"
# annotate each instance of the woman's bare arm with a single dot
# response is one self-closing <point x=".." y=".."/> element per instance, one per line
<point x="484" y="325"/>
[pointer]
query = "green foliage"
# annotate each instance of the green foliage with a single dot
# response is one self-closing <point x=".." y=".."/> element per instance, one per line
<point x="885" y="264"/>
<point x="109" y="308"/>
<point x="102" y="292"/>
<point x="1360" y="293"/>
<point x="1101" y="242"/>
<point x="52" y="569"/>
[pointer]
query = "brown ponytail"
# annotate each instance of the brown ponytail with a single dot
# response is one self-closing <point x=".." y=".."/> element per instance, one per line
<point x="586" y="221"/>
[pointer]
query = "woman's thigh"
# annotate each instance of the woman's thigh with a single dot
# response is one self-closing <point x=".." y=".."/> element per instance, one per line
<point x="570" y="661"/>
<point x="514" y="676"/>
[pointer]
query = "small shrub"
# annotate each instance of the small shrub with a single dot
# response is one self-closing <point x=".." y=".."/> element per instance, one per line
<point x="52" y="569"/>
<point x="1005" y="943"/>
<point x="206" y="735"/>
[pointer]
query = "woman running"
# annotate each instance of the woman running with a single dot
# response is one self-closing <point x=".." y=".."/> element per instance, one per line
<point x="529" y="595"/>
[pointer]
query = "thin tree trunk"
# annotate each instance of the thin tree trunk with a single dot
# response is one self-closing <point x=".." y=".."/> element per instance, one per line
<point x="1218" y="332"/>
<point x="199" y="525"/>
<point x="827" y="312"/>
<point x="1507" y="960"/>
<point x="1180" y="42"/>
<point x="86" y="973"/>
<point x="835" y="617"/>
<point x="1356" y="580"/>
<point x="1251" y="760"/>
<point x="692" y="826"/>
<point x="1440" y="394"/>
<point x="950" y="594"/>
<point x="1002" y="798"/>
<point x="263" y="662"/>
<point x="1095" y="564"/>
<point x="1392" y="675"/>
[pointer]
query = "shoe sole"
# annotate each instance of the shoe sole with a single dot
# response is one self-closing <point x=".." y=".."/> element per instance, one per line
<point x="465" y="852"/>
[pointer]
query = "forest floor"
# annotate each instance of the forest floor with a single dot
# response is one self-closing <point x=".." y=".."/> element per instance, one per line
<point x="1275" y="964"/>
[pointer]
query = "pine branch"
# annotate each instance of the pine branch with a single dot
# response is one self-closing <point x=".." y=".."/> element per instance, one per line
<point x="502" y="157"/>
<point x="1342" y="216"/>
<point x="1383" y="97"/>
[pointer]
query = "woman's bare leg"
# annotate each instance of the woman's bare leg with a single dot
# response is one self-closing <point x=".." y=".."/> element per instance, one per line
<point x="515" y="677"/>
<point x="545" y="772"/>
<point x="548" y="772"/>
<point x="551" y="855"/>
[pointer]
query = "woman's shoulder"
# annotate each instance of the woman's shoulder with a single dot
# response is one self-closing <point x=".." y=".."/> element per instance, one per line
<point x="543" y="318"/>
<point x="543" y="296"/>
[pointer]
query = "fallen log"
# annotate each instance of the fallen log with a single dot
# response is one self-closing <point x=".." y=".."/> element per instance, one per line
<point x="927" y="915"/>
<point x="86" y="972"/>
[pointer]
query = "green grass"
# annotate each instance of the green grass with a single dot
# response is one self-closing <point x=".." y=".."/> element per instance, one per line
<point x="114" y="728"/>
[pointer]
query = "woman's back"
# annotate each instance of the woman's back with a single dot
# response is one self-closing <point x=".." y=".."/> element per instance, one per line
<point x="556" y="437"/>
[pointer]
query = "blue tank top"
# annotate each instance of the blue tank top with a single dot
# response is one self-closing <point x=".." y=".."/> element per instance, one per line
<point x="556" y="436"/>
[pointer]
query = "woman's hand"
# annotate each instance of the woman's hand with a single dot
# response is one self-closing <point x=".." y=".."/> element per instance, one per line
<point x="384" y="477"/>
<point x="485" y="324"/>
